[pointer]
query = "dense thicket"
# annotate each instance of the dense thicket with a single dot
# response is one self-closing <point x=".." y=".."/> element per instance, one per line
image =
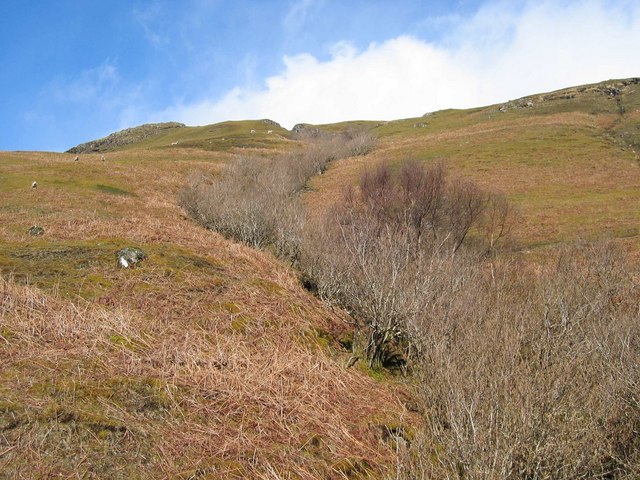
<point x="376" y="250"/>
<point x="533" y="376"/>
<point x="520" y="373"/>
<point x="255" y="200"/>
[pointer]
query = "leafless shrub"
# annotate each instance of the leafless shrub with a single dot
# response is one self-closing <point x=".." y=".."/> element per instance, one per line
<point x="525" y="377"/>
<point x="235" y="204"/>
<point x="372" y="256"/>
<point x="497" y="220"/>
<point x="422" y="194"/>
<point x="520" y="375"/>
<point x="359" y="142"/>
<point x="256" y="200"/>
<point x="332" y="146"/>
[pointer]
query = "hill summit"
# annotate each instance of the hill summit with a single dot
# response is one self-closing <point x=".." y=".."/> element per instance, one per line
<point x="125" y="137"/>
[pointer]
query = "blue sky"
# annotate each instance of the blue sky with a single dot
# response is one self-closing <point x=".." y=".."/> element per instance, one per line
<point x="76" y="70"/>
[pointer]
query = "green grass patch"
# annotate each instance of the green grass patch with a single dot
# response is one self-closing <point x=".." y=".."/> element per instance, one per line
<point x="223" y="136"/>
<point x="268" y="287"/>
<point x="74" y="268"/>
<point x="240" y="323"/>
<point x="113" y="190"/>
<point x="89" y="268"/>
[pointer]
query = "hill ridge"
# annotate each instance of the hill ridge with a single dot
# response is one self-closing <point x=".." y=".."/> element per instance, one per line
<point x="125" y="137"/>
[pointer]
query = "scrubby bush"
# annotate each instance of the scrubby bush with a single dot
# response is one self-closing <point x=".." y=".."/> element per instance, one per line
<point x="255" y="200"/>
<point x="376" y="250"/>
<point x="520" y="373"/>
<point x="530" y="376"/>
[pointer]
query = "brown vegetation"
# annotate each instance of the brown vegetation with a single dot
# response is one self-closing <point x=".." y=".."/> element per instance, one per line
<point x="257" y="200"/>
<point x="209" y="359"/>
<point x="530" y="376"/>
<point x="206" y="360"/>
<point x="519" y="374"/>
<point x="373" y="252"/>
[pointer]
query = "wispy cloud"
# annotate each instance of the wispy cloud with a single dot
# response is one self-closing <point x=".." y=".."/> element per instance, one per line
<point x="97" y="94"/>
<point x="150" y="18"/>
<point x="95" y="84"/>
<point x="500" y="53"/>
<point x="299" y="13"/>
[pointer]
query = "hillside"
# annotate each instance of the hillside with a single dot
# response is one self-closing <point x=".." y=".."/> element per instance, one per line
<point x="545" y="151"/>
<point x="126" y="137"/>
<point x="219" y="137"/>
<point x="209" y="359"/>
<point x="569" y="160"/>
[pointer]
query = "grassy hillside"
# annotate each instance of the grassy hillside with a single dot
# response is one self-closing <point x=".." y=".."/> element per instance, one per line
<point x="570" y="160"/>
<point x="209" y="360"/>
<point x="223" y="136"/>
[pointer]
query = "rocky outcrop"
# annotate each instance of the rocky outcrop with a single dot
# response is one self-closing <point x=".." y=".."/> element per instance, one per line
<point x="306" y="130"/>
<point x="611" y="88"/>
<point x="271" y="122"/>
<point x="125" y="137"/>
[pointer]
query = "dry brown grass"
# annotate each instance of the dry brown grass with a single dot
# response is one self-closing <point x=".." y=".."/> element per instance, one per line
<point x="198" y="395"/>
<point x="208" y="360"/>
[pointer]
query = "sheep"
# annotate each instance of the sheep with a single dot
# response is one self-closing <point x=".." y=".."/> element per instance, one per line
<point x="77" y="158"/>
<point x="253" y="131"/>
<point x="102" y="157"/>
<point x="269" y="131"/>
<point x="34" y="185"/>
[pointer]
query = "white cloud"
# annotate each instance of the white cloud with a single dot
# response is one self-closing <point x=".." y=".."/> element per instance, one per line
<point x="499" y="54"/>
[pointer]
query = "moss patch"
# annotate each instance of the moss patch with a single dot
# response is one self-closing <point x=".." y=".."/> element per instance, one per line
<point x="113" y="190"/>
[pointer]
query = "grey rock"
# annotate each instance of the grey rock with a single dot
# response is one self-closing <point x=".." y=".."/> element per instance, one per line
<point x="271" y="122"/>
<point x="129" y="256"/>
<point x="125" y="137"/>
<point x="306" y="130"/>
<point x="35" y="231"/>
<point x="611" y="91"/>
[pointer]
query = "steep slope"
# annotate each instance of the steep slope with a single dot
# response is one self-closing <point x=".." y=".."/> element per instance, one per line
<point x="569" y="159"/>
<point x="207" y="360"/>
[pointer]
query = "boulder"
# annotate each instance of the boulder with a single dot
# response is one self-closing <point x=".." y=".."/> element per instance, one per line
<point x="306" y="130"/>
<point x="129" y="256"/>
